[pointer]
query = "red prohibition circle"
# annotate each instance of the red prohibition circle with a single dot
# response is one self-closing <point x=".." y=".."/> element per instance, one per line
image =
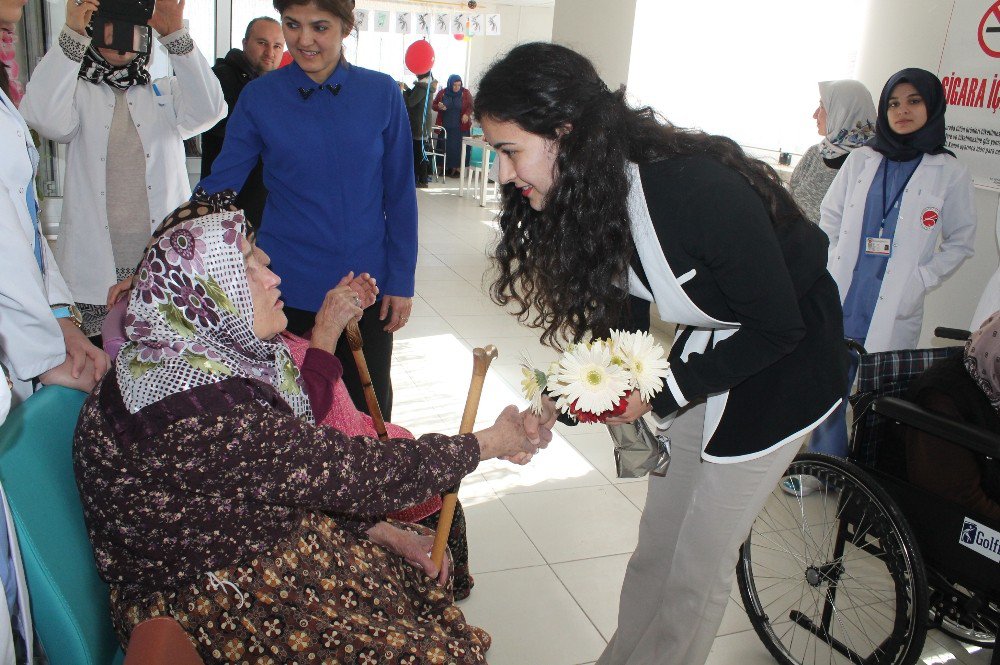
<point x="994" y="11"/>
<point x="929" y="218"/>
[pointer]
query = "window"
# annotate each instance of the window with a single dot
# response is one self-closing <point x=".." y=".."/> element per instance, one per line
<point x="748" y="70"/>
<point x="381" y="51"/>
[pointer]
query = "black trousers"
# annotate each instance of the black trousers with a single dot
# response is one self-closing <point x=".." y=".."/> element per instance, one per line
<point x="421" y="164"/>
<point x="377" y="345"/>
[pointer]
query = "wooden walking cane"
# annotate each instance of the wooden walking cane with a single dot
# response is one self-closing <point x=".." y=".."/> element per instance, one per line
<point x="481" y="359"/>
<point x="354" y="341"/>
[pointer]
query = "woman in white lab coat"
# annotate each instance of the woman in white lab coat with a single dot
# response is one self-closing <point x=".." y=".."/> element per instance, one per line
<point x="34" y="343"/>
<point x="125" y="165"/>
<point x="900" y="219"/>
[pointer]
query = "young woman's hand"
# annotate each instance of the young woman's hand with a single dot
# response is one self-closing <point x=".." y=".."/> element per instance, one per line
<point x="414" y="547"/>
<point x="85" y="364"/>
<point x="168" y="16"/>
<point x="397" y="310"/>
<point x="634" y="410"/>
<point x="78" y="15"/>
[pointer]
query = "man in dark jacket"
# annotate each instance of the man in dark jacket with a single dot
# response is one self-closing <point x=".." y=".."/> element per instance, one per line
<point x="263" y="46"/>
<point x="418" y="106"/>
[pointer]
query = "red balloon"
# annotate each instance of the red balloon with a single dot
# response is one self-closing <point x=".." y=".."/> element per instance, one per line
<point x="459" y="36"/>
<point x="419" y="57"/>
<point x="286" y="59"/>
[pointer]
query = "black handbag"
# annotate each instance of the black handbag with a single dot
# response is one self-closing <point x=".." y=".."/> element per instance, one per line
<point x="638" y="451"/>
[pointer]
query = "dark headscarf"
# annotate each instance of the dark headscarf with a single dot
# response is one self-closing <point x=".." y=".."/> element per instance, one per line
<point x="95" y="69"/>
<point x="930" y="138"/>
<point x="451" y="98"/>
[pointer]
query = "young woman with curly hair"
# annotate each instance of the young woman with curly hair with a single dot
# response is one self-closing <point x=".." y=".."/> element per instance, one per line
<point x="606" y="209"/>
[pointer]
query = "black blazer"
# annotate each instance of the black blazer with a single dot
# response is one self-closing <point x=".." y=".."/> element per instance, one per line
<point x="787" y="364"/>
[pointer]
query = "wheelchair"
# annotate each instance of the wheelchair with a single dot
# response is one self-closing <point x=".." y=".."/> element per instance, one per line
<point x="860" y="570"/>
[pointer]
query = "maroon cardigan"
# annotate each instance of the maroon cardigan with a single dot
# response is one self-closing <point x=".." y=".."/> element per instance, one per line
<point x="466" y="108"/>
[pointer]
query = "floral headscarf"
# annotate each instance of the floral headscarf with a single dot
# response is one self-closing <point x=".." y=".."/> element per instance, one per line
<point x="982" y="358"/>
<point x="190" y="316"/>
<point x="850" y="116"/>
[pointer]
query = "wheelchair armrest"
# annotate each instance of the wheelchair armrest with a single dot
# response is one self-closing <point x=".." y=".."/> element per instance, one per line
<point x="976" y="439"/>
<point x="952" y="333"/>
<point x="161" y="641"/>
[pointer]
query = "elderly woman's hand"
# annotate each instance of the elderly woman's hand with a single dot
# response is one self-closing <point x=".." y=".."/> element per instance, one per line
<point x="508" y="438"/>
<point x="340" y="306"/>
<point x="78" y="15"/>
<point x="414" y="547"/>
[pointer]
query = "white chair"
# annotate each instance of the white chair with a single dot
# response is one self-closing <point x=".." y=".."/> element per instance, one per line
<point x="474" y="172"/>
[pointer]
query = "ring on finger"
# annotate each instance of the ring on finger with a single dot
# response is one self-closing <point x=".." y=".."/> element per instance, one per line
<point x="357" y="301"/>
<point x="77" y="2"/>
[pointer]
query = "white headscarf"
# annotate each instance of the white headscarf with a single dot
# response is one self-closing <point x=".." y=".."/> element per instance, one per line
<point x="850" y="116"/>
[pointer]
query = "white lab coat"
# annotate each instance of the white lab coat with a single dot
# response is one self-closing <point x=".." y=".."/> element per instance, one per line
<point x="940" y="185"/>
<point x="23" y="601"/>
<point x="31" y="341"/>
<point x="66" y="109"/>
<point x="989" y="302"/>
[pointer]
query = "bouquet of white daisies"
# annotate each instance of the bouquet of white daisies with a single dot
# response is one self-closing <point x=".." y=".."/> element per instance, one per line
<point x="592" y="380"/>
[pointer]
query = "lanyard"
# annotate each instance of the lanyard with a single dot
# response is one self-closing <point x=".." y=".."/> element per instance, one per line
<point x="886" y="209"/>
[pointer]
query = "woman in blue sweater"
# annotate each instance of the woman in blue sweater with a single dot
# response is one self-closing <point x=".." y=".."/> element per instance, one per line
<point x="335" y="143"/>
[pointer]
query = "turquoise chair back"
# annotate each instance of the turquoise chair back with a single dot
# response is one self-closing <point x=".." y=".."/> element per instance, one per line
<point x="476" y="156"/>
<point x="69" y="601"/>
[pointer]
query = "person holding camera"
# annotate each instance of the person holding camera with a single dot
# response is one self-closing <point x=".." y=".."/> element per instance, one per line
<point x="125" y="165"/>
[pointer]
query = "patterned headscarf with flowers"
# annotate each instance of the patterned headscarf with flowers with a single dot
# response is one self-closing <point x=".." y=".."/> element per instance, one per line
<point x="982" y="358"/>
<point x="190" y="316"/>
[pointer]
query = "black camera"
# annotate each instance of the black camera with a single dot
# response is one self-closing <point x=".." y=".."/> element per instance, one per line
<point x="121" y="25"/>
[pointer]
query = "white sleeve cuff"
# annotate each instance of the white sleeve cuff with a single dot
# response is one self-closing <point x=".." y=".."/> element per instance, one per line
<point x="675" y="389"/>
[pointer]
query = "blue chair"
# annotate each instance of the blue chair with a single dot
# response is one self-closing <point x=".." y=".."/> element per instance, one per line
<point x="70" y="605"/>
<point x="474" y="169"/>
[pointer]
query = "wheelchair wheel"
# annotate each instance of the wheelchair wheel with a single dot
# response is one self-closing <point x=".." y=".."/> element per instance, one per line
<point x="834" y="576"/>
<point x="980" y="631"/>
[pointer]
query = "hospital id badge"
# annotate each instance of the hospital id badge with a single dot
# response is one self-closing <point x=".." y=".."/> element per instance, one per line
<point x="878" y="246"/>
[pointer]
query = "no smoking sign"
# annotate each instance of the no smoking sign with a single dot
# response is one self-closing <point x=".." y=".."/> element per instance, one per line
<point x="989" y="31"/>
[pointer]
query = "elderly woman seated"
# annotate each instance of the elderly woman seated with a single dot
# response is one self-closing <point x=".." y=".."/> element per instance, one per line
<point x="965" y="388"/>
<point x="211" y="496"/>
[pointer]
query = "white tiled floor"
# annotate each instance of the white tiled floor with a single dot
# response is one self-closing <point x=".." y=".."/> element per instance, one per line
<point x="549" y="542"/>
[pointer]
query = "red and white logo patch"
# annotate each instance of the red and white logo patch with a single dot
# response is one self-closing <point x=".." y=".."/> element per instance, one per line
<point x="929" y="218"/>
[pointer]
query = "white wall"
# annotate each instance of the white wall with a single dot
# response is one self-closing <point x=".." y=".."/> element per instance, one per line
<point x="918" y="32"/>
<point x="517" y="26"/>
<point x="600" y="30"/>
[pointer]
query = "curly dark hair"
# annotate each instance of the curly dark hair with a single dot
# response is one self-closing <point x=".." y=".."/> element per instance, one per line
<point x="568" y="261"/>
